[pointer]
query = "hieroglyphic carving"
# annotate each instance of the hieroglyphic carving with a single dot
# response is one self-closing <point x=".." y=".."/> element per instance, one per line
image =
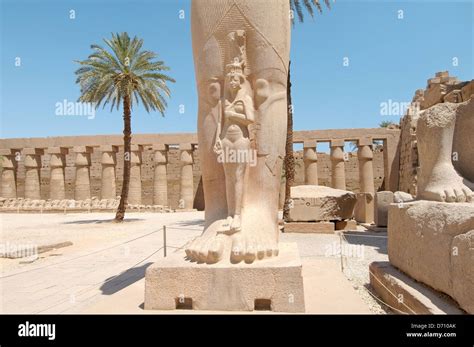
<point x="232" y="139"/>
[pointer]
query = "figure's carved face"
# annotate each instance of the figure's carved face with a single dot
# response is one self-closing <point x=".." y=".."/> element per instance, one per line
<point x="234" y="81"/>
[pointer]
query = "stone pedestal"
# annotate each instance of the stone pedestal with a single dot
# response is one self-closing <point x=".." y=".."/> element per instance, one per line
<point x="109" y="161"/>
<point x="310" y="158"/>
<point x="274" y="283"/>
<point x="407" y="295"/>
<point x="32" y="172"/>
<point x="186" y="196"/>
<point x="338" y="174"/>
<point x="82" y="188"/>
<point x="57" y="163"/>
<point x="433" y="243"/>
<point x="135" y="188"/>
<point x="9" y="165"/>
<point x="160" y="180"/>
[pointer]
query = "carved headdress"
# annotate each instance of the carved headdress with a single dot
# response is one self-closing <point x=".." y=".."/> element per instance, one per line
<point x="236" y="68"/>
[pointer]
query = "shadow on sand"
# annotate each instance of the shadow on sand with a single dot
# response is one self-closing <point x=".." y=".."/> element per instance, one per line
<point x="116" y="283"/>
<point x="376" y="240"/>
<point x="102" y="221"/>
<point x="192" y="224"/>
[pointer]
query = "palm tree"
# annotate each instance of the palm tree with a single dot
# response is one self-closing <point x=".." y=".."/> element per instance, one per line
<point x="289" y="163"/>
<point x="124" y="74"/>
<point x="387" y="123"/>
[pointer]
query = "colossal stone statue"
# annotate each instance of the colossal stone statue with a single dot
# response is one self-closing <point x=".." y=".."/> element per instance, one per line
<point x="241" y="53"/>
<point x="444" y="135"/>
<point x="431" y="239"/>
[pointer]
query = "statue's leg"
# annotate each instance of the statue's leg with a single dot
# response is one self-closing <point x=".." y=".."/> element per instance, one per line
<point x="267" y="31"/>
<point x="438" y="180"/>
<point x="209" y="72"/>
<point x="230" y="178"/>
<point x="242" y="150"/>
<point x="268" y="49"/>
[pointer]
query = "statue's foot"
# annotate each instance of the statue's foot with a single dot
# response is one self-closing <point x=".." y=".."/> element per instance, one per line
<point x="251" y="247"/>
<point x="213" y="246"/>
<point x="448" y="186"/>
<point x="206" y="248"/>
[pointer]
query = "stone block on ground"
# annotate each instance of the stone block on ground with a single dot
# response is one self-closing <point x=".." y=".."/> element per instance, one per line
<point x="320" y="203"/>
<point x="433" y="242"/>
<point x="402" y="197"/>
<point x="382" y="202"/>
<point x="407" y="295"/>
<point x="274" y="283"/>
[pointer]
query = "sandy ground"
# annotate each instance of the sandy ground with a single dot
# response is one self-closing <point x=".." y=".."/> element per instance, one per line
<point x="89" y="231"/>
<point x="102" y="250"/>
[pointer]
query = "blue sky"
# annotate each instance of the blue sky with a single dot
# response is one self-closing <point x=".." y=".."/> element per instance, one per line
<point x="389" y="58"/>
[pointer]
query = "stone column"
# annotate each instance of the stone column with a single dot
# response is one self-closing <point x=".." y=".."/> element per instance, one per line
<point x="32" y="172"/>
<point x="57" y="163"/>
<point x="135" y="188"/>
<point x="365" y="156"/>
<point x="82" y="189"/>
<point x="338" y="174"/>
<point x="186" y="196"/>
<point x="9" y="165"/>
<point x="310" y="159"/>
<point x="160" y="181"/>
<point x="109" y="161"/>
<point x="364" y="209"/>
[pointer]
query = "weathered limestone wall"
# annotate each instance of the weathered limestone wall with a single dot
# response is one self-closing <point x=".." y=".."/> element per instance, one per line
<point x="408" y="154"/>
<point x="174" y="170"/>
<point x="147" y="172"/>
<point x="351" y="170"/>
<point x="159" y="148"/>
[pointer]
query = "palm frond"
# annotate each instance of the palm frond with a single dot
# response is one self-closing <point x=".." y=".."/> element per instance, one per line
<point x="122" y="68"/>
<point x="309" y="5"/>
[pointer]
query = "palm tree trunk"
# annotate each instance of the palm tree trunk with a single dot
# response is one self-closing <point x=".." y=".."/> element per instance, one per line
<point x="289" y="157"/>
<point x="127" y="141"/>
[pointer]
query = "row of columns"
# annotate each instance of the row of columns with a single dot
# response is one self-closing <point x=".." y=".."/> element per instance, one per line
<point x="82" y="191"/>
<point x="338" y="159"/>
<point x="82" y="188"/>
